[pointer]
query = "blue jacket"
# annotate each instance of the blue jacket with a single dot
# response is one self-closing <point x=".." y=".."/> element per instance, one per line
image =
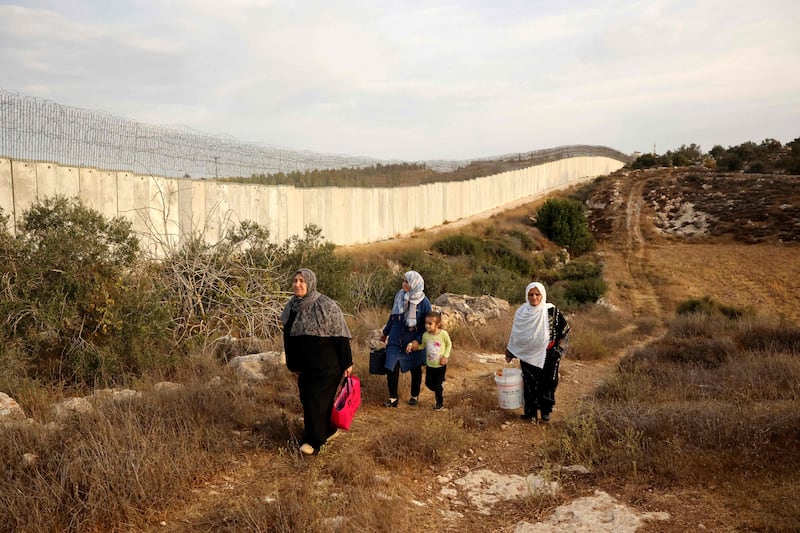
<point x="398" y="337"/>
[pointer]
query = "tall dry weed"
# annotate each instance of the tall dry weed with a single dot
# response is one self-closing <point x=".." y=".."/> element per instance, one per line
<point x="434" y="441"/>
<point x="491" y="337"/>
<point x="713" y="399"/>
<point x="110" y="466"/>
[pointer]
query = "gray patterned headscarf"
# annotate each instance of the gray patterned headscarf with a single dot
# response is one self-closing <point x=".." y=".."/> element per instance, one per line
<point x="317" y="315"/>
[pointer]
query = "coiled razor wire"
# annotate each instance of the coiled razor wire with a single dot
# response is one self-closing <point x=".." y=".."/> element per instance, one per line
<point x="34" y="129"/>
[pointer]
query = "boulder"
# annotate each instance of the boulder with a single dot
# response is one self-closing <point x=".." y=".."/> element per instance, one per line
<point x="249" y="366"/>
<point x="228" y="347"/>
<point x="71" y="407"/>
<point x="469" y="310"/>
<point x="10" y="409"/>
<point x="117" y="395"/>
<point x="168" y="387"/>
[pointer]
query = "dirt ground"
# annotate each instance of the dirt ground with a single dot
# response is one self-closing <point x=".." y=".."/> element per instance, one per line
<point x="649" y="270"/>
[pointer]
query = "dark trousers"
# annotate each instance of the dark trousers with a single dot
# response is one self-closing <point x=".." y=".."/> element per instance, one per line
<point x="393" y="378"/>
<point x="434" y="378"/>
<point x="539" y="384"/>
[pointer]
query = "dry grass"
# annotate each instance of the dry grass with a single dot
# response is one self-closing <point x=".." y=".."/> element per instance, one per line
<point x="110" y="466"/>
<point x="489" y="337"/>
<point x="714" y="399"/>
<point x="705" y="417"/>
<point x="316" y="505"/>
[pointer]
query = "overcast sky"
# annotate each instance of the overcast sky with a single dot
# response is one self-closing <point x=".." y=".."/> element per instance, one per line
<point x="418" y="80"/>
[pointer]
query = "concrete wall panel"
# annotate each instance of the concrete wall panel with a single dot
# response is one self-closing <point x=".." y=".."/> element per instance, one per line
<point x="25" y="189"/>
<point x="216" y="210"/>
<point x="186" y="192"/>
<point x="126" y="206"/>
<point x="164" y="210"/>
<point x="98" y="189"/>
<point x="198" y="208"/>
<point x="46" y="180"/>
<point x="68" y="181"/>
<point x="52" y="180"/>
<point x="7" y="193"/>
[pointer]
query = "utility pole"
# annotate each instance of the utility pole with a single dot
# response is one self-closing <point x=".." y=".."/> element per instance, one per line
<point x="216" y="169"/>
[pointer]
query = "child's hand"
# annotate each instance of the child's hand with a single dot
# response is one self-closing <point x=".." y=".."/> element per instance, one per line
<point x="412" y="346"/>
<point x="443" y="361"/>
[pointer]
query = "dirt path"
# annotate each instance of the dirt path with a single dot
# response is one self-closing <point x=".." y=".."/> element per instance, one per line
<point x="644" y="300"/>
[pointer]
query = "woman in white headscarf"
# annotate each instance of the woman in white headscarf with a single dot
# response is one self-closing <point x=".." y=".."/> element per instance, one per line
<point x="406" y="323"/>
<point x="317" y="344"/>
<point x="536" y="336"/>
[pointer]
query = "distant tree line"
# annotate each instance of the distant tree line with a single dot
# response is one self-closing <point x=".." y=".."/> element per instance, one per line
<point x="403" y="174"/>
<point x="384" y="175"/>
<point x="767" y="157"/>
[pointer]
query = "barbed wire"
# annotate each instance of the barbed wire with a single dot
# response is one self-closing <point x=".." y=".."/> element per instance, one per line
<point x="35" y="129"/>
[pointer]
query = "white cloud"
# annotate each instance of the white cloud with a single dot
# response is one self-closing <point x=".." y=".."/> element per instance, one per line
<point x="415" y="80"/>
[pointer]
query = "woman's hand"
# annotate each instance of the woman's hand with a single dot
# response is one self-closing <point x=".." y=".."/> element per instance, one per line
<point x="384" y="337"/>
<point x="412" y="346"/>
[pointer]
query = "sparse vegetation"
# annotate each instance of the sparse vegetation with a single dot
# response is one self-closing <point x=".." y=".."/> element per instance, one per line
<point x="712" y="404"/>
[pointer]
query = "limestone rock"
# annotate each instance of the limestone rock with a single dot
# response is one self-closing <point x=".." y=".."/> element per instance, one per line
<point x="10" y="409"/>
<point x="250" y="366"/>
<point x="469" y="310"/>
<point x="70" y="407"/>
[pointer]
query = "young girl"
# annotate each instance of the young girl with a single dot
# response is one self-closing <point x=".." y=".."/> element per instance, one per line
<point x="437" y="345"/>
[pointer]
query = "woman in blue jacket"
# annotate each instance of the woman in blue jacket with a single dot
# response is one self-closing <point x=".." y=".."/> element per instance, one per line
<point x="406" y="323"/>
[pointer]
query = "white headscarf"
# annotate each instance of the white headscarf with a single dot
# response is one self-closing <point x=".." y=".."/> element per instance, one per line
<point x="530" y="333"/>
<point x="406" y="302"/>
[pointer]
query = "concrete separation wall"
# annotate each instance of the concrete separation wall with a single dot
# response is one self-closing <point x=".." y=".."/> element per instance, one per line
<point x="163" y="210"/>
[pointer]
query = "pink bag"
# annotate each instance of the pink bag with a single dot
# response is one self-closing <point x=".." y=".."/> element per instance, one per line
<point x="347" y="402"/>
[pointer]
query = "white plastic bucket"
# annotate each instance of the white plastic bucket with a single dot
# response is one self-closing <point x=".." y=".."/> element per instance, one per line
<point x="509" y="388"/>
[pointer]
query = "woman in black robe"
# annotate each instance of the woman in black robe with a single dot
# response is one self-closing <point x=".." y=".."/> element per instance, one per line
<point x="316" y="340"/>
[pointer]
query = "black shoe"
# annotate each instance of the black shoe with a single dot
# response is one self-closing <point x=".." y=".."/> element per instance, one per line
<point x="545" y="417"/>
<point x="528" y="417"/>
<point x="390" y="403"/>
<point x="412" y="401"/>
<point x="438" y="407"/>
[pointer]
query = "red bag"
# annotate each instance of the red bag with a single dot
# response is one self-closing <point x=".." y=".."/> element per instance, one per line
<point x="347" y="403"/>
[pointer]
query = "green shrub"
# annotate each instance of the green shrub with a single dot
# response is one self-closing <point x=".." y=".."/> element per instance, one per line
<point x="314" y="252"/>
<point x="564" y="221"/>
<point x="459" y="244"/>
<point x="501" y="255"/>
<point x="435" y="270"/>
<point x="75" y="305"/>
<point x="527" y="242"/>
<point x="586" y="290"/>
<point x="498" y="282"/>
<point x="708" y="306"/>
<point x="576" y="270"/>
